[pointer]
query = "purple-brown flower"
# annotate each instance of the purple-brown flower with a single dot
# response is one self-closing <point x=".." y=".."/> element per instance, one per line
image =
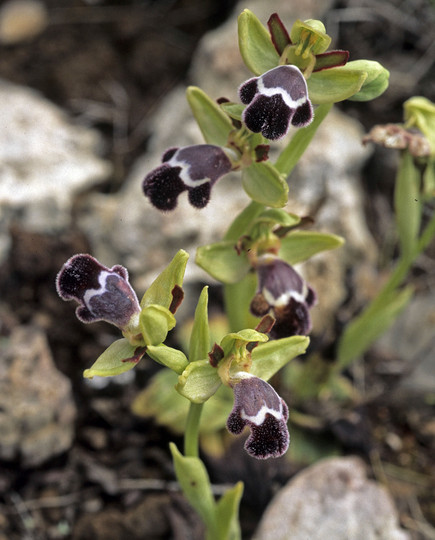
<point x="284" y="292"/>
<point x="275" y="100"/>
<point x="104" y="294"/>
<point x="258" y="406"/>
<point x="192" y="168"/>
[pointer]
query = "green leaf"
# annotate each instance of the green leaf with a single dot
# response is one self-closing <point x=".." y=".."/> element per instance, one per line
<point x="376" y="82"/>
<point x="118" y="358"/>
<point x="155" y="321"/>
<point x="336" y="84"/>
<point x="227" y="513"/>
<point x="429" y="179"/>
<point x="159" y="401"/>
<point x="256" y="47"/>
<point x="160" y="291"/>
<point x="169" y="357"/>
<point x="371" y="324"/>
<point x="199" y="381"/>
<point x="200" y="345"/>
<point x="168" y="408"/>
<point x="194" y="481"/>
<point x="300" y="141"/>
<point x="237" y="300"/>
<point x="264" y="184"/>
<point x="269" y="358"/>
<point x="407" y="204"/>
<point x="298" y="246"/>
<point x="222" y="261"/>
<point x="243" y="221"/>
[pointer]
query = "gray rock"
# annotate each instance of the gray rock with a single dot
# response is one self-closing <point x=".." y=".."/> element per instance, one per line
<point x="409" y="347"/>
<point x="37" y="410"/>
<point x="332" y="499"/>
<point x="45" y="160"/>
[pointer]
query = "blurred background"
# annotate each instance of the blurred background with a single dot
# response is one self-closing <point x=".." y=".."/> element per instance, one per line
<point x="91" y="94"/>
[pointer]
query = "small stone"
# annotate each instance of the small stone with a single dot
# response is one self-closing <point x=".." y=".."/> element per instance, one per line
<point x="332" y="499"/>
<point x="22" y="20"/>
<point x="37" y="410"/>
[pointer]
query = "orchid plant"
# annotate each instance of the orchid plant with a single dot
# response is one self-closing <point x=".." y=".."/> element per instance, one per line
<point x="295" y="82"/>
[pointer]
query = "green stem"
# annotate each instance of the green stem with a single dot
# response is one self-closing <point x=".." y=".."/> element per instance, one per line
<point x="300" y="141"/>
<point x="191" y="434"/>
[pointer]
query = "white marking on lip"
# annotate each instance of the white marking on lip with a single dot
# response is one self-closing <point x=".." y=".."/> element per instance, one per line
<point x="184" y="173"/>
<point x="272" y="91"/>
<point x="260" y="417"/>
<point x="90" y="293"/>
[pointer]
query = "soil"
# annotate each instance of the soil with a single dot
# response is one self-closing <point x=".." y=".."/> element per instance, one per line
<point x="117" y="481"/>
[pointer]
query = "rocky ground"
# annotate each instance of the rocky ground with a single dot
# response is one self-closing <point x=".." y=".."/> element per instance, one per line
<point x="87" y="106"/>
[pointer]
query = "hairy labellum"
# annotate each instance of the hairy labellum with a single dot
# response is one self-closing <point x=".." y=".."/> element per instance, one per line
<point x="276" y="100"/>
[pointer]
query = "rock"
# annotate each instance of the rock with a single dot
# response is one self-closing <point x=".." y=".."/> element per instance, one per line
<point x="22" y="20"/>
<point x="332" y="499"/>
<point x="409" y="345"/>
<point x="45" y="161"/>
<point x="37" y="411"/>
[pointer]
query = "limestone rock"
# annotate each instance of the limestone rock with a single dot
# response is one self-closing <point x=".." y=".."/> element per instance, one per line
<point x="331" y="499"/>
<point x="45" y="160"/>
<point x="37" y="410"/>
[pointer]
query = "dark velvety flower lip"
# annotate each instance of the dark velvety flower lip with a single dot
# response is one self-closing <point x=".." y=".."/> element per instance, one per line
<point x="192" y="168"/>
<point x="258" y="406"/>
<point x="275" y="100"/>
<point x="103" y="293"/>
<point x="282" y="291"/>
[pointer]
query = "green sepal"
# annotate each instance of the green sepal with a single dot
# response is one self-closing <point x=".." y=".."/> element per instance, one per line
<point x="256" y="47"/>
<point x="222" y="261"/>
<point x="264" y="184"/>
<point x="245" y="336"/>
<point x="335" y="84"/>
<point x="169" y="357"/>
<point x="227" y="513"/>
<point x="277" y="216"/>
<point x="214" y="124"/>
<point x="118" y="358"/>
<point x="420" y="113"/>
<point x="155" y="321"/>
<point x="243" y="221"/>
<point x="376" y="82"/>
<point x="198" y="382"/>
<point x="310" y="33"/>
<point x="237" y="301"/>
<point x="407" y="204"/>
<point x="298" y="246"/>
<point x="160" y="290"/>
<point x="195" y="484"/>
<point x="233" y="110"/>
<point x="371" y="324"/>
<point x="300" y="141"/>
<point x="199" y="344"/>
<point x="269" y="358"/>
